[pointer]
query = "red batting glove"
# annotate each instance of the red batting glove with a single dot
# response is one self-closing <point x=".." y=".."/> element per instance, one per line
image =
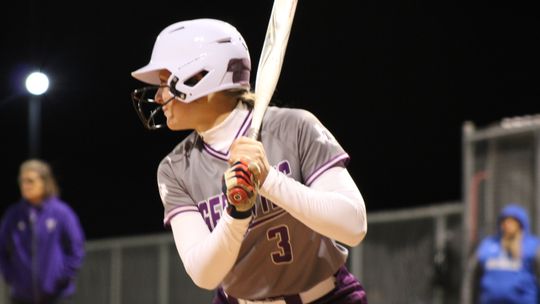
<point x="240" y="186"/>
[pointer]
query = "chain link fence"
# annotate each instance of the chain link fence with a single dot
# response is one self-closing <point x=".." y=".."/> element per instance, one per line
<point x="407" y="257"/>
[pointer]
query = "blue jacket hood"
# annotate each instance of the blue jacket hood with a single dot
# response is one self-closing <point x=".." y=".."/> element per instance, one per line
<point x="518" y="212"/>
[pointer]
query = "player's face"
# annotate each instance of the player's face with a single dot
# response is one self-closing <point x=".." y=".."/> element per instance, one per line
<point x="175" y="111"/>
<point x="164" y="93"/>
<point x="32" y="186"/>
<point x="510" y="227"/>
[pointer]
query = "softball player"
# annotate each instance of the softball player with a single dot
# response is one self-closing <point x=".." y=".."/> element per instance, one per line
<point x="282" y="245"/>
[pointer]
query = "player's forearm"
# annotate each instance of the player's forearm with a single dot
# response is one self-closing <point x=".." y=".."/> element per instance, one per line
<point x="333" y="206"/>
<point x="208" y="257"/>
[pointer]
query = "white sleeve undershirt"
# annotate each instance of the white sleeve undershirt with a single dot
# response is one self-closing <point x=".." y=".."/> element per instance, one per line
<point x="332" y="206"/>
<point x="208" y="257"/>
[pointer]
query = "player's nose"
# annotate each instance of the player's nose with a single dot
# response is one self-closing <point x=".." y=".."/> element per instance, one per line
<point x="159" y="96"/>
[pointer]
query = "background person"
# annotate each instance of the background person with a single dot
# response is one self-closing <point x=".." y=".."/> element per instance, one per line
<point x="505" y="268"/>
<point x="41" y="240"/>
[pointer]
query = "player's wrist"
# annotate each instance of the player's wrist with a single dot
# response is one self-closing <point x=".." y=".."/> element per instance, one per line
<point x="237" y="214"/>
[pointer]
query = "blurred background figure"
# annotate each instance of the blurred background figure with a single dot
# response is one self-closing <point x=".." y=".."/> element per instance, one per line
<point x="41" y="240"/>
<point x="505" y="268"/>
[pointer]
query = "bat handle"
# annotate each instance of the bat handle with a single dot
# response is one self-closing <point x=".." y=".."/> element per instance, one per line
<point x="253" y="133"/>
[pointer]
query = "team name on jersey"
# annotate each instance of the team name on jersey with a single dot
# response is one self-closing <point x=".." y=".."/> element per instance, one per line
<point x="503" y="262"/>
<point x="212" y="208"/>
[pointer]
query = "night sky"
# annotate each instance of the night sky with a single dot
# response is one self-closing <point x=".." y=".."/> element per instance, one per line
<point x="393" y="80"/>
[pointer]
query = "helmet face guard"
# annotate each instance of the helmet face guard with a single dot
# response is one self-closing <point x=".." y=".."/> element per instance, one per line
<point x="149" y="111"/>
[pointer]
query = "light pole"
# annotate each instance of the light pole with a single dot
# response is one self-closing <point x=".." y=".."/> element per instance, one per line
<point x="37" y="84"/>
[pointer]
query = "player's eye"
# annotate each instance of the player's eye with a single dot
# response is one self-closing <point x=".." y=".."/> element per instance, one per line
<point x="29" y="181"/>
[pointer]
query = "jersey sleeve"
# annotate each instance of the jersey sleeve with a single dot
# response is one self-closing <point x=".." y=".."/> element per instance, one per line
<point x="173" y="195"/>
<point x="318" y="148"/>
<point x="74" y="239"/>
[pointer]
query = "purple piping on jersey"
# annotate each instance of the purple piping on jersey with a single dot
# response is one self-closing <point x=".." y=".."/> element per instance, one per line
<point x="216" y="153"/>
<point x="245" y="125"/>
<point x="325" y="167"/>
<point x="242" y="131"/>
<point x="177" y="211"/>
<point x="256" y="223"/>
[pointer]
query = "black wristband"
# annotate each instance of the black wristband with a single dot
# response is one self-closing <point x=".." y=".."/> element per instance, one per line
<point x="240" y="215"/>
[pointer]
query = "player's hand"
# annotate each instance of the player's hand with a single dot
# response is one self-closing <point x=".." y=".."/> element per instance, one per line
<point x="252" y="152"/>
<point x="240" y="186"/>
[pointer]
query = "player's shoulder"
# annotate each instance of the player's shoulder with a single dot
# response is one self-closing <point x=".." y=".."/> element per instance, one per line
<point x="487" y="243"/>
<point x="60" y="205"/>
<point x="284" y="115"/>
<point x="535" y="239"/>
<point x="287" y="123"/>
<point x="12" y="209"/>
<point x="182" y="150"/>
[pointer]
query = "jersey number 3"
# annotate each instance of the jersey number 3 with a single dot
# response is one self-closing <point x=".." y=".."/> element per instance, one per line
<point x="283" y="254"/>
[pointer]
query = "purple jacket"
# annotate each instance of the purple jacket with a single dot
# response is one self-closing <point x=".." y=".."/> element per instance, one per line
<point x="41" y="250"/>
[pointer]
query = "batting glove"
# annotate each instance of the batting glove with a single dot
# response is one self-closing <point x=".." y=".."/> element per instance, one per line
<point x="240" y="186"/>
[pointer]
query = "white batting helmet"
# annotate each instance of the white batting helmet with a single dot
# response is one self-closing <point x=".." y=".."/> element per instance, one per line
<point x="209" y="47"/>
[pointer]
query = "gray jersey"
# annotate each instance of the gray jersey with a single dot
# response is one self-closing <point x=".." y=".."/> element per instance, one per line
<point x="279" y="255"/>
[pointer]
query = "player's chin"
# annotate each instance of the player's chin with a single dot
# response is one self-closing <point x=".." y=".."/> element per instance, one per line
<point x="171" y="125"/>
<point x="174" y="125"/>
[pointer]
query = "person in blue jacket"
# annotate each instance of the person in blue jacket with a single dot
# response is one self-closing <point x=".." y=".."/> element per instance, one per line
<point x="41" y="241"/>
<point x="507" y="266"/>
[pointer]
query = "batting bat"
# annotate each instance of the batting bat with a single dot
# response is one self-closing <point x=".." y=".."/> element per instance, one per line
<point x="268" y="71"/>
<point x="271" y="59"/>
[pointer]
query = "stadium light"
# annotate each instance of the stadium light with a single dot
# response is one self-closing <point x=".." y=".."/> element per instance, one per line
<point x="37" y="84"/>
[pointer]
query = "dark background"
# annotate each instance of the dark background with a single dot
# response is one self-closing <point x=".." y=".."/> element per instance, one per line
<point x="393" y="80"/>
